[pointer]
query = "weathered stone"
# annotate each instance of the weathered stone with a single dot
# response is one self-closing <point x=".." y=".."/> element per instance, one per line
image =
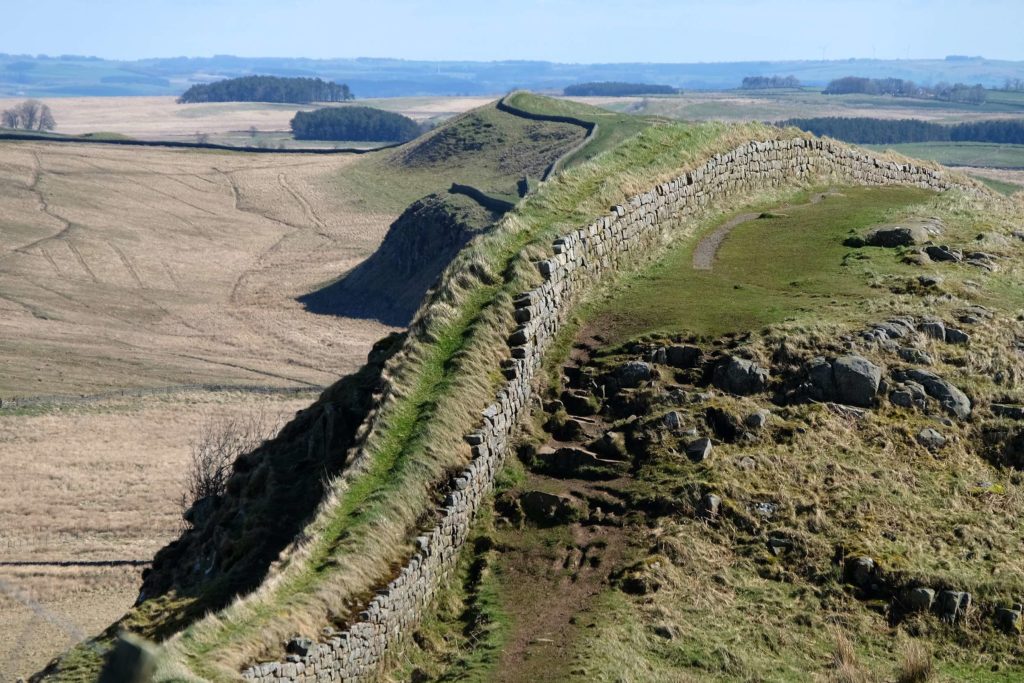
<point x="931" y="439"/>
<point x="699" y="450"/>
<point x="951" y="398"/>
<point x="545" y="508"/>
<point x="896" y="236"/>
<point x="683" y="357"/>
<point x="819" y="372"/>
<point x="955" y="336"/>
<point x="633" y="373"/>
<point x="861" y="570"/>
<point x="920" y="599"/>
<point x="1009" y="620"/>
<point x="709" y="506"/>
<point x="757" y="419"/>
<point x="673" y="420"/>
<point x="952" y="605"/>
<point x="856" y="380"/>
<point x="1012" y="412"/>
<point x="916" y="356"/>
<point x="943" y="253"/>
<point x="936" y="329"/>
<point x="740" y="376"/>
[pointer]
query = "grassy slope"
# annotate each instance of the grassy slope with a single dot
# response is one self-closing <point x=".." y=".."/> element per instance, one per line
<point x="443" y="385"/>
<point x="485" y="148"/>
<point x="787" y="265"/>
<point x="866" y="487"/>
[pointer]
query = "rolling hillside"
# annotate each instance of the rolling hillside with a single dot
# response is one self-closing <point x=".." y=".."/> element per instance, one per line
<point x="756" y="421"/>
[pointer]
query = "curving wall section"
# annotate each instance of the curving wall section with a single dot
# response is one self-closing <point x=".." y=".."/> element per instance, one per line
<point x="626" y="234"/>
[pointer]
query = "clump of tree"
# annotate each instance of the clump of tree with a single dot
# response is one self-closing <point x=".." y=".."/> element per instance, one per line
<point x="868" y="131"/>
<point x="353" y="123"/>
<point x="268" y="89"/>
<point x="1014" y="84"/>
<point x="615" y="89"/>
<point x="899" y="87"/>
<point x="769" y="82"/>
<point x="29" y="115"/>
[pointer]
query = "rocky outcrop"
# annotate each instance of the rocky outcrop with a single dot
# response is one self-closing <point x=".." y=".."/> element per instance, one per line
<point x="629" y="232"/>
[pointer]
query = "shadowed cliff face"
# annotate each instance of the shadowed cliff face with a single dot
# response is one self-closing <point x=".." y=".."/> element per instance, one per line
<point x="390" y="285"/>
<point x="270" y="496"/>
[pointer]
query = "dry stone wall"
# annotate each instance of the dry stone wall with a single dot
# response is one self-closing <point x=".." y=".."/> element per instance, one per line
<point x="580" y="259"/>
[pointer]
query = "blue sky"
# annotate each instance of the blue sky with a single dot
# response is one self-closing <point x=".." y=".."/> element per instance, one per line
<point x="556" y="30"/>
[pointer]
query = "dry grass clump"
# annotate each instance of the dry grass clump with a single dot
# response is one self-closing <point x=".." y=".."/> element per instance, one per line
<point x="916" y="665"/>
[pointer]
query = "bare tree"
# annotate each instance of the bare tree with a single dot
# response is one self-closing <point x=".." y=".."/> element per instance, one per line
<point x="29" y="115"/>
<point x="202" y="138"/>
<point x="219" y="443"/>
<point x="253" y="132"/>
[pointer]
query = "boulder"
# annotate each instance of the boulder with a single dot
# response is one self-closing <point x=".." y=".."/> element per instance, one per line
<point x="1008" y="619"/>
<point x="920" y="599"/>
<point x="757" y="419"/>
<point x="819" y="372"/>
<point x="944" y="253"/>
<point x="740" y="376"/>
<point x="683" y="357"/>
<point x="856" y="380"/>
<point x="861" y="570"/>
<point x="633" y="374"/>
<point x="952" y="605"/>
<point x="931" y="439"/>
<point x="896" y="236"/>
<point x="710" y="504"/>
<point x="699" y="450"/>
<point x="673" y="420"/>
<point x="936" y="329"/>
<point x="916" y="356"/>
<point x="545" y="508"/>
<point x="1012" y="412"/>
<point x="951" y="398"/>
<point x="955" y="336"/>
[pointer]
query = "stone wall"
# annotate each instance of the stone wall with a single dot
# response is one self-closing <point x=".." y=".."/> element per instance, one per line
<point x="580" y="259"/>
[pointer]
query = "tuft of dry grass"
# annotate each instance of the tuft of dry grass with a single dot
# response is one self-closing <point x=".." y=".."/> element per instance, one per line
<point x="916" y="664"/>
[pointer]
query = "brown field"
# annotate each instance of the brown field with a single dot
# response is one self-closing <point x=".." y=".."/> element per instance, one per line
<point x="140" y="268"/>
<point x="93" y="483"/>
<point x="745" y="106"/>
<point x="126" y="268"/>
<point x="161" y="118"/>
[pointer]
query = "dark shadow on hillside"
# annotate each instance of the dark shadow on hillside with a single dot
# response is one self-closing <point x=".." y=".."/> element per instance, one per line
<point x="390" y="284"/>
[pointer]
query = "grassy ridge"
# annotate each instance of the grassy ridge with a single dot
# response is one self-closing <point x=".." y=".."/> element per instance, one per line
<point x="442" y="386"/>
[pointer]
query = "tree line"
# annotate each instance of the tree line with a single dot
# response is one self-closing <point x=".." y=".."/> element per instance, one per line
<point x="353" y="123"/>
<point x="768" y="82"/>
<point x="868" y="131"/>
<point x="29" y="115"/>
<point x="268" y="89"/>
<point x="616" y="89"/>
<point x="899" y="87"/>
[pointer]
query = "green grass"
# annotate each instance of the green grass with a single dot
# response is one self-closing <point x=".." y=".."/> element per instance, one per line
<point x="986" y="154"/>
<point x="485" y="148"/>
<point x="999" y="186"/>
<point x="444" y="385"/>
<point x="790" y="265"/>
<point x="612" y="128"/>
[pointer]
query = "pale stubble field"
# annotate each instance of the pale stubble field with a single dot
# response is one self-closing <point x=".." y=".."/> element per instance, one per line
<point x="139" y="269"/>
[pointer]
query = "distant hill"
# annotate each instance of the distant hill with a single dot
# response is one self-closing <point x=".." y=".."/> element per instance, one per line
<point x="70" y="75"/>
<point x="268" y="89"/>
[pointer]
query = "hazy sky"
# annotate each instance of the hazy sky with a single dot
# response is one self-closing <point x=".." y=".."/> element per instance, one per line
<point x="557" y="30"/>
